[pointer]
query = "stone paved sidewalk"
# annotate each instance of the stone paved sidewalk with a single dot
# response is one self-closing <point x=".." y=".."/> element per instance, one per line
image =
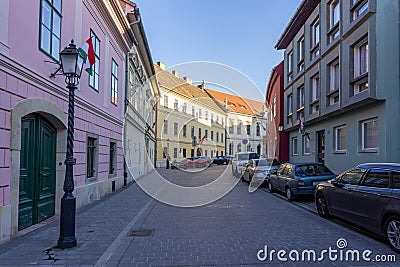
<point x="97" y="225"/>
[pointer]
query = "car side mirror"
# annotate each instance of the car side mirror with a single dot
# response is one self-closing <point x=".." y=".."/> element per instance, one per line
<point x="335" y="182"/>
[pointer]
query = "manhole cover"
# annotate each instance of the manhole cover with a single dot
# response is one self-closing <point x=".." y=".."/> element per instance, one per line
<point x="148" y="232"/>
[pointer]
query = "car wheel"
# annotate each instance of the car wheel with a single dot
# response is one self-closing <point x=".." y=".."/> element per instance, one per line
<point x="322" y="206"/>
<point x="289" y="194"/>
<point x="392" y="231"/>
<point x="270" y="187"/>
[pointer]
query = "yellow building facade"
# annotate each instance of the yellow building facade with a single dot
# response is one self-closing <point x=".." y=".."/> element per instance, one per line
<point x="189" y="122"/>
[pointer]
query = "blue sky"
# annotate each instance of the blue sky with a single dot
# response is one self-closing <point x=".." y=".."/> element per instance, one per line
<point x="239" y="34"/>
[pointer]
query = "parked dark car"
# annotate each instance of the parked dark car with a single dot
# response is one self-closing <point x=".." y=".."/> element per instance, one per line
<point x="260" y="170"/>
<point x="367" y="195"/>
<point x="297" y="179"/>
<point x="221" y="160"/>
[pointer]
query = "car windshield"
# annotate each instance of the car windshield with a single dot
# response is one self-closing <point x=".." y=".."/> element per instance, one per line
<point x="312" y="170"/>
<point x="267" y="162"/>
<point x="264" y="162"/>
<point x="247" y="156"/>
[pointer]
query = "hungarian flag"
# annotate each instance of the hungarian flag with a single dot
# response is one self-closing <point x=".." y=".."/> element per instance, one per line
<point x="301" y="127"/>
<point x="87" y="53"/>
<point x="202" y="139"/>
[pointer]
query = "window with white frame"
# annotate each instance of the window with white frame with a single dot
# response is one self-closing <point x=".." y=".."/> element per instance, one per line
<point x="212" y="117"/>
<point x="200" y="113"/>
<point x="300" y="103"/>
<point x="315" y="93"/>
<point x="315" y="33"/>
<point x="193" y="112"/>
<point x="306" y="145"/>
<point x="290" y="66"/>
<point x="274" y="107"/>
<point x="340" y="138"/>
<point x="50" y="27"/>
<point x="176" y="104"/>
<point x="239" y="147"/>
<point x="166" y="101"/>
<point x="175" y="128"/>
<point x="369" y="135"/>
<point x="239" y="127"/>
<point x="361" y="66"/>
<point x="94" y="77"/>
<point x="231" y="123"/>
<point x="91" y="156"/>
<point x="359" y="8"/>
<point x="184" y="108"/>
<point x="334" y="18"/>
<point x="289" y="109"/>
<point x="334" y="82"/>
<point x="114" y="82"/>
<point x="206" y="115"/>
<point x="112" y="167"/>
<point x="137" y="88"/>
<point x="165" y="126"/>
<point x="300" y="53"/>
<point x="132" y="89"/>
<point x="184" y="130"/>
<point x="294" y="146"/>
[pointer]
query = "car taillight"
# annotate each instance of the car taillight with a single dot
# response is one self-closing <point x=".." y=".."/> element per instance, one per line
<point x="301" y="183"/>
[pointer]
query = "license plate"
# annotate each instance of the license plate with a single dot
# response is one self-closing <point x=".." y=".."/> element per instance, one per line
<point x="315" y="183"/>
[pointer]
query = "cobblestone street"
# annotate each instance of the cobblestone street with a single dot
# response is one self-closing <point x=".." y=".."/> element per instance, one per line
<point x="228" y="232"/>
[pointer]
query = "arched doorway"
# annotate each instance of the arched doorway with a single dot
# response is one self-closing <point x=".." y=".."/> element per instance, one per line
<point x="37" y="179"/>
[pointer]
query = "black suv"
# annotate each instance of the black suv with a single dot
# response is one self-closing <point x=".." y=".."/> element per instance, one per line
<point x="367" y="195"/>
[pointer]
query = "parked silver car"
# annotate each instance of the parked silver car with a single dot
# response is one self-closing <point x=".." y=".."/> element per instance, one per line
<point x="367" y="195"/>
<point x="240" y="161"/>
<point x="259" y="170"/>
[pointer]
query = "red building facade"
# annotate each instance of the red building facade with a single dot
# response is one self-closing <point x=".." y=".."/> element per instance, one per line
<point x="278" y="139"/>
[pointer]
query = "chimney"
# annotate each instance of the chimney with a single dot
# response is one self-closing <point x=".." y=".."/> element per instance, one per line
<point x="188" y="80"/>
<point x="175" y="73"/>
<point x="161" y="65"/>
<point x="202" y="86"/>
<point x="226" y="102"/>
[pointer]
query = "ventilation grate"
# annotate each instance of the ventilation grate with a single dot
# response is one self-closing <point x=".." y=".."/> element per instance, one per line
<point x="135" y="233"/>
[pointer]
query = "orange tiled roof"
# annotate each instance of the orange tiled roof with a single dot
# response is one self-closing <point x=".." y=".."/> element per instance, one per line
<point x="237" y="104"/>
<point x="180" y="86"/>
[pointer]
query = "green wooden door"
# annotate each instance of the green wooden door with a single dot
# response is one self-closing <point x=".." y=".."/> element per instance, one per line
<point x="37" y="171"/>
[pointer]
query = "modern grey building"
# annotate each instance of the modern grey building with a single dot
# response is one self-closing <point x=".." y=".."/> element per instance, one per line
<point x="342" y="82"/>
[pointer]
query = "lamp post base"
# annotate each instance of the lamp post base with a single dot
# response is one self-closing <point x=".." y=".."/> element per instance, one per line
<point x="67" y="223"/>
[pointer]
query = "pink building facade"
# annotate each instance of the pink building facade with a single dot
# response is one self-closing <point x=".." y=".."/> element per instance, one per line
<point x="33" y="106"/>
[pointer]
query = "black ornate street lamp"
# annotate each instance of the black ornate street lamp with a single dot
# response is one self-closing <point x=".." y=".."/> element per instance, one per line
<point x="71" y="65"/>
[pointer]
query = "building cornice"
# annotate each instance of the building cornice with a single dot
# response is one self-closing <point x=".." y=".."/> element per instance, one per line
<point x="297" y="21"/>
<point x="110" y="14"/>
